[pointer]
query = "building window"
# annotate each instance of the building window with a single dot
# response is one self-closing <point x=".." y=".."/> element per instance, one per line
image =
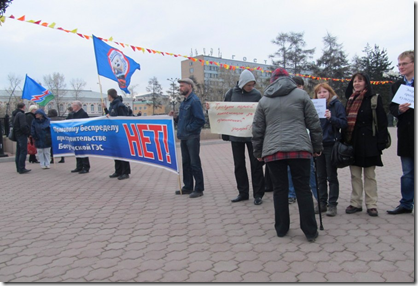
<point x="61" y="107"/>
<point x="191" y="70"/>
<point x="85" y="106"/>
<point x="92" y="108"/>
<point x="191" y="63"/>
<point x="145" y="114"/>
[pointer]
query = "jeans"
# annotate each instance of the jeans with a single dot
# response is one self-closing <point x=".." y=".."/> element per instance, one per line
<point x="407" y="182"/>
<point x="327" y="174"/>
<point x="84" y="164"/>
<point x="300" y="170"/>
<point x="121" y="167"/>
<point x="21" y="152"/>
<point x="240" y="170"/>
<point x="44" y="155"/>
<point x="192" y="167"/>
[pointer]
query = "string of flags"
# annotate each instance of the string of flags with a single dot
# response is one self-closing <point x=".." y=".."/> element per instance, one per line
<point x="152" y="51"/>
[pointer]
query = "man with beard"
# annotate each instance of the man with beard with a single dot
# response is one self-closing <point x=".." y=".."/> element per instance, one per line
<point x="190" y="121"/>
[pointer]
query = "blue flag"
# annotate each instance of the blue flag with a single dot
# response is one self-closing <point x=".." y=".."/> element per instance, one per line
<point x="35" y="92"/>
<point x="113" y="64"/>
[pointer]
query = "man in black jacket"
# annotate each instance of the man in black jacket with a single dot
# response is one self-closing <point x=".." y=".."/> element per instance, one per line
<point x="405" y="116"/>
<point x="83" y="164"/>
<point x="22" y="132"/>
<point x="117" y="108"/>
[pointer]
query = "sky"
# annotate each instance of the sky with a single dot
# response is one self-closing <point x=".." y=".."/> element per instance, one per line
<point x="242" y="28"/>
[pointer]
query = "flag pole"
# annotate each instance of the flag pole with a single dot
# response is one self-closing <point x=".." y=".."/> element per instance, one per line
<point x="101" y="93"/>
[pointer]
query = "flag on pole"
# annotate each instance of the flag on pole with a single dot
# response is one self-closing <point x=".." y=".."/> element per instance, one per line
<point x="113" y="64"/>
<point x="35" y="92"/>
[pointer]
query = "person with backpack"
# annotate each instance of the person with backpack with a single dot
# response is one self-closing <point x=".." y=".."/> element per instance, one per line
<point x="335" y="119"/>
<point x="368" y="138"/>
<point x="21" y="131"/>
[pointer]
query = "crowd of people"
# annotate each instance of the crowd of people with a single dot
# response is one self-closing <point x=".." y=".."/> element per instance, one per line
<point x="288" y="137"/>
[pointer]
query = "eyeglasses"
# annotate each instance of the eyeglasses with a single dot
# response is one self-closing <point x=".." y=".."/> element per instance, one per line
<point x="403" y="64"/>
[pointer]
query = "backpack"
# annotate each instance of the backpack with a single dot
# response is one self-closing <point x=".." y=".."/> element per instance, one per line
<point x="374" y="125"/>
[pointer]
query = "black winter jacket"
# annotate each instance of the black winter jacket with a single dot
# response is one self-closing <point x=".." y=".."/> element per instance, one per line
<point x="20" y="125"/>
<point x="406" y="126"/>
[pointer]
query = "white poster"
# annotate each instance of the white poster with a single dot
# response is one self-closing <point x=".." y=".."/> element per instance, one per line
<point x="232" y="118"/>
<point x="405" y="94"/>
<point x="320" y="106"/>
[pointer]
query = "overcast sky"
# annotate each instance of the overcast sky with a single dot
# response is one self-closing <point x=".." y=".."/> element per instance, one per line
<point x="242" y="28"/>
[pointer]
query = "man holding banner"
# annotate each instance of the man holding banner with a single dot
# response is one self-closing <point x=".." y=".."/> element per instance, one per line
<point x="244" y="91"/>
<point x="406" y="129"/>
<point x="189" y="124"/>
<point x="117" y="108"/>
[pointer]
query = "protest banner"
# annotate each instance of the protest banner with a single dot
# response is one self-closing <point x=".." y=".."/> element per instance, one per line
<point x="320" y="106"/>
<point x="405" y="94"/>
<point x="232" y="118"/>
<point x="146" y="139"/>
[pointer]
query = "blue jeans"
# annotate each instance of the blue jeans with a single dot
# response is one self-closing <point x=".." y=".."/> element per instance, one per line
<point x="21" y="152"/>
<point x="192" y="167"/>
<point x="312" y="182"/>
<point x="327" y="175"/>
<point x="407" y="182"/>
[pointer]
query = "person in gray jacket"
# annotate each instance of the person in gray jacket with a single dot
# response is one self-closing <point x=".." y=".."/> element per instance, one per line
<point x="280" y="139"/>
<point x="244" y="91"/>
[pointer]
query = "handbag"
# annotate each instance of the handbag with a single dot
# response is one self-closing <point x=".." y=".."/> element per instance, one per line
<point x="12" y="135"/>
<point x="31" y="147"/>
<point x="342" y="154"/>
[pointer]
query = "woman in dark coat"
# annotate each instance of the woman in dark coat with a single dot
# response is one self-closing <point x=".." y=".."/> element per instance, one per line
<point x="30" y="116"/>
<point x="41" y="132"/>
<point x="367" y="146"/>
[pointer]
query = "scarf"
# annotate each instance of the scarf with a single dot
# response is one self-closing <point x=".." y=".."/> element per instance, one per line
<point x="353" y="105"/>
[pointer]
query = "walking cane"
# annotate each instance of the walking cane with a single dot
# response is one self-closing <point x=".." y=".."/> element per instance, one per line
<point x="321" y="227"/>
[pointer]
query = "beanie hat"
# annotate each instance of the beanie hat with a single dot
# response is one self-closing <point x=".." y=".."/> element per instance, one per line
<point x="32" y="107"/>
<point x="278" y="73"/>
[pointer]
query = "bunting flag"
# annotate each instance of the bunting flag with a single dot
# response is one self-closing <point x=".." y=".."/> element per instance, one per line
<point x="151" y="51"/>
<point x="113" y="64"/>
<point x="35" y="92"/>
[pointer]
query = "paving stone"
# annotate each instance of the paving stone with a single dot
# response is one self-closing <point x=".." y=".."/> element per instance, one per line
<point x="311" y="277"/>
<point x="397" y="276"/>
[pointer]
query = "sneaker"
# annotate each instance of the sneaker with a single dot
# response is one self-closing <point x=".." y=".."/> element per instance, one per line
<point x="292" y="200"/>
<point x="47" y="167"/>
<point x="372" y="212"/>
<point x="332" y="211"/>
<point x="350" y="209"/>
<point x="323" y="208"/>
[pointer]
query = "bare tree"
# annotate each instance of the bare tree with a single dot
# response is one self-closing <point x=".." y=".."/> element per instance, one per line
<point x="174" y="93"/>
<point x="154" y="87"/>
<point x="77" y="86"/>
<point x="56" y="84"/>
<point x="14" y="84"/>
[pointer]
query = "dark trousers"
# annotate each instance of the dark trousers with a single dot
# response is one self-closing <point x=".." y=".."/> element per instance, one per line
<point x="21" y="152"/>
<point x="122" y="167"/>
<point x="300" y="170"/>
<point x="327" y="174"/>
<point x="241" y="176"/>
<point x="192" y="167"/>
<point x="83" y="163"/>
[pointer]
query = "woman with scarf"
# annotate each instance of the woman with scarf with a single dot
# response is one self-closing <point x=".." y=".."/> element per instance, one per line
<point x="41" y="132"/>
<point x="368" y="145"/>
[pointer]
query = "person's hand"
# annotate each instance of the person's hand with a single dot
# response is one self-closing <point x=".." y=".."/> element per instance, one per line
<point x="107" y="115"/>
<point x="404" y="107"/>
<point x="328" y="114"/>
<point x="260" y="159"/>
<point x="207" y="105"/>
<point x="171" y="113"/>
<point x="103" y="105"/>
<point x="317" y="154"/>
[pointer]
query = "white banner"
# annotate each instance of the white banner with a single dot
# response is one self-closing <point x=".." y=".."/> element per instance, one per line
<point x="405" y="94"/>
<point x="320" y="106"/>
<point x="232" y="118"/>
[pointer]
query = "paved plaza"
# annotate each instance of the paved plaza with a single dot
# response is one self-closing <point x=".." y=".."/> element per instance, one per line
<point x="61" y="227"/>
